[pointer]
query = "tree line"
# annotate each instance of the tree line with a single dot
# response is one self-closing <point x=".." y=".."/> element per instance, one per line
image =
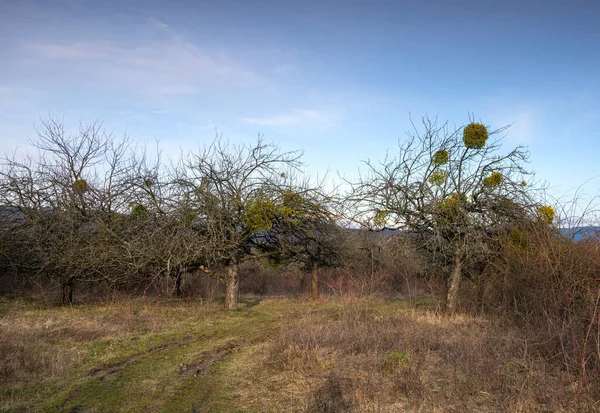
<point x="90" y="206"/>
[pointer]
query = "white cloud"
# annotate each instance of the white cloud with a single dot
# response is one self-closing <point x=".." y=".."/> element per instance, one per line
<point x="158" y="24"/>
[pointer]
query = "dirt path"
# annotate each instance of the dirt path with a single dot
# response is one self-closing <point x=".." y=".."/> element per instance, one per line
<point x="180" y="374"/>
<point x="111" y="369"/>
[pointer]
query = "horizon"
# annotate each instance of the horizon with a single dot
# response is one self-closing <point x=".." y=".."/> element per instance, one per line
<point x="338" y="82"/>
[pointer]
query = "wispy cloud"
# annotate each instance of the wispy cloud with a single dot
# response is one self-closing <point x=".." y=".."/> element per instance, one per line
<point x="158" y="24"/>
<point x="296" y="116"/>
<point x="523" y="128"/>
<point x="167" y="65"/>
<point x="523" y="120"/>
<point x="15" y="99"/>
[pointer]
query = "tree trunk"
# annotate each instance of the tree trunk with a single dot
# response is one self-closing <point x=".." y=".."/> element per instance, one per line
<point x="67" y="292"/>
<point x="232" y="283"/>
<point x="302" y="280"/>
<point x="315" y="282"/>
<point x="454" y="285"/>
<point x="178" y="283"/>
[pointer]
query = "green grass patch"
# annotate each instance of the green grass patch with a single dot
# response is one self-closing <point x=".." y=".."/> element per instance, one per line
<point x="135" y="355"/>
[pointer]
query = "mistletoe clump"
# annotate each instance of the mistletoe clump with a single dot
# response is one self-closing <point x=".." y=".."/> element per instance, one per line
<point x="475" y="135"/>
<point x="440" y="157"/>
<point x="546" y="214"/>
<point x="291" y="198"/>
<point x="380" y="218"/>
<point x="517" y="238"/>
<point x="438" y="177"/>
<point x="139" y="211"/>
<point x="259" y="214"/>
<point x="80" y="186"/>
<point x="449" y="206"/>
<point x="493" y="180"/>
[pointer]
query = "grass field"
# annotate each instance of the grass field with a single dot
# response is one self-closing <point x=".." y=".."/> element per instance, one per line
<point x="272" y="355"/>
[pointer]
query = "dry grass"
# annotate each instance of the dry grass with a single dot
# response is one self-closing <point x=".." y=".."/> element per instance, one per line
<point x="38" y="343"/>
<point x="342" y="354"/>
<point x="407" y="360"/>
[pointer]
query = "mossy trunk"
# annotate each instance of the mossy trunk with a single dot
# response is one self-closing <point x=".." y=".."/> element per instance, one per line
<point x="454" y="284"/>
<point x="315" y="282"/>
<point x="67" y="291"/>
<point x="232" y="283"/>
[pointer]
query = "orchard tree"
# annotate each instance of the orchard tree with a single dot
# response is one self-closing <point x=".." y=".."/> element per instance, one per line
<point x="240" y="200"/>
<point x="58" y="193"/>
<point x="310" y="237"/>
<point x="453" y="189"/>
<point x="87" y="208"/>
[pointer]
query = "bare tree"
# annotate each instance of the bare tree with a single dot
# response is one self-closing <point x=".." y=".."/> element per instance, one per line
<point x="242" y="200"/>
<point x="314" y="238"/>
<point x="56" y="193"/>
<point x="74" y="200"/>
<point x="452" y="188"/>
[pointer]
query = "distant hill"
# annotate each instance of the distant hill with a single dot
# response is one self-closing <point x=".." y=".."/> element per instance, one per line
<point x="579" y="233"/>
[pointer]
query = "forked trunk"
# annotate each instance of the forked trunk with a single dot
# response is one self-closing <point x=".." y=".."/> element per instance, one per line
<point x="232" y="283"/>
<point x="315" y="282"/>
<point x="67" y="292"/>
<point x="454" y="284"/>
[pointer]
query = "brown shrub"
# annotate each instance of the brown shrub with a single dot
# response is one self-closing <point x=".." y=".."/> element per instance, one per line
<point x="551" y="285"/>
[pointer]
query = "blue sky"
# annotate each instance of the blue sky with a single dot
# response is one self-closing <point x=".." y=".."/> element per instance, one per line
<point x="337" y="79"/>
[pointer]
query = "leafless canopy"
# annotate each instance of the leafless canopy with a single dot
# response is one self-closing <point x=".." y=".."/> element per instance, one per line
<point x="451" y="196"/>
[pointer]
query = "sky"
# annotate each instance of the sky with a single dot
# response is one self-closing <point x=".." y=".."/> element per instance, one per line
<point x="339" y="80"/>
